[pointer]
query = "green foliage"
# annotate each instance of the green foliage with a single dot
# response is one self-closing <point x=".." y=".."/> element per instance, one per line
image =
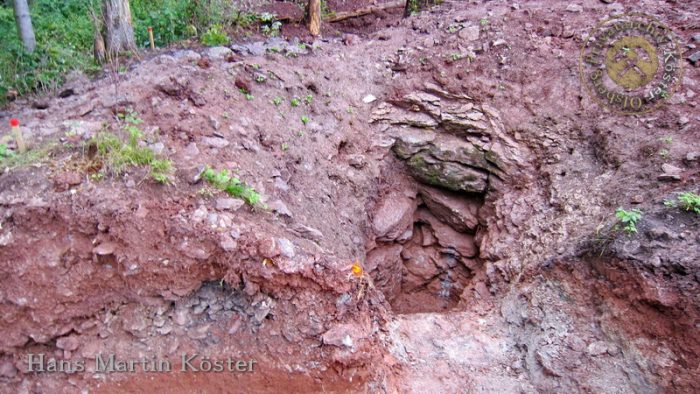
<point x="295" y="102"/>
<point x="222" y="180"/>
<point x="277" y="101"/>
<point x="309" y="99"/>
<point x="628" y="219"/>
<point x="116" y="155"/>
<point x="172" y="20"/>
<point x="64" y="43"/>
<point x="688" y="201"/>
<point x="269" y="25"/>
<point x="4" y="152"/>
<point x="9" y="159"/>
<point x="215" y="36"/>
<point x="305" y="120"/>
<point x="64" y="35"/>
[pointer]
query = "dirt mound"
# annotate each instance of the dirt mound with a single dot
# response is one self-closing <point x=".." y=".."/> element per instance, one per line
<point x="437" y="213"/>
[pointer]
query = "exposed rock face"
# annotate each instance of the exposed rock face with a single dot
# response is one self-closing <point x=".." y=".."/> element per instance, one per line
<point x="459" y="151"/>
<point x="457" y="211"/>
<point x="448" y="141"/>
<point x="393" y="219"/>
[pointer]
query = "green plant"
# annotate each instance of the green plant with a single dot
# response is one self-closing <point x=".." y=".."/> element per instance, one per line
<point x="98" y="176"/>
<point x="309" y="99"/>
<point x="628" y="219"/>
<point x="285" y="147"/>
<point x="249" y="97"/>
<point x="688" y="201"/>
<point x="483" y="21"/>
<point x="260" y="79"/>
<point x="233" y="186"/>
<point x="269" y="25"/>
<point x="664" y="153"/>
<point x="214" y="36"/>
<point x="277" y="101"/>
<point x="456" y="56"/>
<point x="295" y="102"/>
<point x="115" y="155"/>
<point x="4" y="152"/>
<point x="64" y="34"/>
<point x="305" y="120"/>
<point x="11" y="159"/>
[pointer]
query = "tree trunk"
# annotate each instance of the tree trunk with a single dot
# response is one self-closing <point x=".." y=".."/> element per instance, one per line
<point x="119" y="32"/>
<point x="24" y="25"/>
<point x="416" y="6"/>
<point x="313" y="13"/>
<point x="98" y="42"/>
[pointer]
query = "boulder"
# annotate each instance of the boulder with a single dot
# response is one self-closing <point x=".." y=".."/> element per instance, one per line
<point x="460" y="212"/>
<point x="393" y="218"/>
<point x="420" y="261"/>
<point x="453" y="176"/>
<point x="447" y="237"/>
<point x="218" y="53"/>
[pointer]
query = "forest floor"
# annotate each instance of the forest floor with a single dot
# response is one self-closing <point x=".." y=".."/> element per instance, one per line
<point x="356" y="271"/>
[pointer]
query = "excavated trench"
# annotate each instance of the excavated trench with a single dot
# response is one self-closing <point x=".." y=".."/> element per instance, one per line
<point x="424" y="251"/>
<point x="431" y="263"/>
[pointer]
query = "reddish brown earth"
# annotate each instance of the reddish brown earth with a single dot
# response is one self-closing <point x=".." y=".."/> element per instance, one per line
<point x="515" y="282"/>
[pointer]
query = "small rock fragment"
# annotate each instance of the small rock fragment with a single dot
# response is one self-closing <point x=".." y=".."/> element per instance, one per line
<point x="105" y="249"/>
<point x="286" y="247"/>
<point x="69" y="343"/>
<point x="670" y="173"/>
<point x="469" y="33"/>
<point x="280" y="207"/>
<point x="308" y="232"/>
<point x="215" y="142"/>
<point x="369" y="99"/>
<point x="695" y="58"/>
<point x="229" y="204"/>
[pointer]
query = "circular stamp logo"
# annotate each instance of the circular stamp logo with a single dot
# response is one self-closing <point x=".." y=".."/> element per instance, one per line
<point x="631" y="63"/>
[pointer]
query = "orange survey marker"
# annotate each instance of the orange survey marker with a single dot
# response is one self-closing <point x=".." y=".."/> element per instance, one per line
<point x="14" y="123"/>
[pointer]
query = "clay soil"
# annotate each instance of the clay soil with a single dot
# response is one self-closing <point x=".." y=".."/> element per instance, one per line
<point x="513" y="281"/>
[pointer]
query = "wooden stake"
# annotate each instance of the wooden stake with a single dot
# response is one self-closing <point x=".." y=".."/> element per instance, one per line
<point x="14" y="123"/>
<point x="150" y="36"/>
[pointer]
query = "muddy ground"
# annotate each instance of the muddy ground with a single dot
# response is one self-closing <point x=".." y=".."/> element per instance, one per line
<point x="452" y="155"/>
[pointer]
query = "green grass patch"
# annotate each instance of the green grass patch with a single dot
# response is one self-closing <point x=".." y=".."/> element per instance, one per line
<point x="10" y="159"/>
<point x="233" y="186"/>
<point x="687" y="201"/>
<point x="117" y="155"/>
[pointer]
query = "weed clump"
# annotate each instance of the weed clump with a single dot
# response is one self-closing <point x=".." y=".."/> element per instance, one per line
<point x="628" y="219"/>
<point x="116" y="155"/>
<point x="233" y="186"/>
<point x="688" y="201"/>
